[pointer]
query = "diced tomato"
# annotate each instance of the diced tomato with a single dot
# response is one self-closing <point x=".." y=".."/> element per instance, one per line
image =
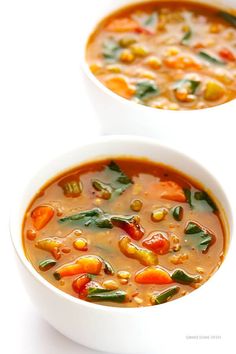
<point x="167" y="190"/>
<point x="122" y="25"/>
<point x="227" y="54"/>
<point x="132" y="227"/>
<point x="153" y="275"/>
<point x="157" y="242"/>
<point x="80" y="282"/>
<point x="41" y="215"/>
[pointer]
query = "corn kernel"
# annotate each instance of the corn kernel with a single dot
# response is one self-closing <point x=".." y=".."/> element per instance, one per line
<point x="136" y="205"/>
<point x="81" y="244"/>
<point x="123" y="274"/>
<point x="159" y="214"/>
<point x="110" y="284"/>
<point x="154" y="62"/>
<point x="139" y="50"/>
<point x="95" y="68"/>
<point x="126" y="56"/>
<point x="114" y="69"/>
<point x="127" y="41"/>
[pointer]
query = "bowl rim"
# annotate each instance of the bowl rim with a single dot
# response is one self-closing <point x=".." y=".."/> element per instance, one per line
<point x="13" y="226"/>
<point x="181" y="113"/>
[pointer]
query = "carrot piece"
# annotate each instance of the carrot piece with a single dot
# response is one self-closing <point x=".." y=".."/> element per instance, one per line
<point x="227" y="54"/>
<point x="167" y="190"/>
<point x="157" y="242"/>
<point x="153" y="275"/>
<point x="120" y="86"/>
<point x="181" y="62"/>
<point x="80" y="282"/>
<point x="122" y="25"/>
<point x="84" y="264"/>
<point x="41" y="215"/>
<point x="90" y="264"/>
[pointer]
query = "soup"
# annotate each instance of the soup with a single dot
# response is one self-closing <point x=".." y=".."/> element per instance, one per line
<point x="167" y="55"/>
<point x="125" y="232"/>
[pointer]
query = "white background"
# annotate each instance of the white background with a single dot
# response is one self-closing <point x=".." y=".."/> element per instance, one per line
<point x="45" y="111"/>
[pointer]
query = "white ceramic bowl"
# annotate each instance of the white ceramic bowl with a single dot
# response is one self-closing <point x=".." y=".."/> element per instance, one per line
<point x="121" y="330"/>
<point x="121" y="116"/>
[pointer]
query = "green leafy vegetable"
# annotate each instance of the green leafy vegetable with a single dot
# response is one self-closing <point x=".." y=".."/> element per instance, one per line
<point x="192" y="228"/>
<point x="107" y="295"/>
<point x="72" y="186"/>
<point x="164" y="296"/>
<point x="210" y="58"/>
<point x="178" y="213"/>
<point x="201" y="238"/>
<point x="111" y="49"/>
<point x="47" y="264"/>
<point x="186" y="37"/>
<point x="228" y="17"/>
<point x="150" y="22"/>
<point x="188" y="196"/>
<point x="182" y="277"/>
<point x="146" y="89"/>
<point x="190" y="85"/>
<point x="204" y="196"/>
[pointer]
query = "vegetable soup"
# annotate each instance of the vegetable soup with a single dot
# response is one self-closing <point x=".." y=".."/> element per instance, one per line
<point x="168" y="55"/>
<point x="124" y="232"/>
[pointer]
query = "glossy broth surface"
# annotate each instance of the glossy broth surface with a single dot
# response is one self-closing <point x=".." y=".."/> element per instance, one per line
<point x="167" y="55"/>
<point x="147" y="230"/>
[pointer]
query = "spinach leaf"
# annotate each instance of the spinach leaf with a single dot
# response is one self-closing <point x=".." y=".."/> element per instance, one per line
<point x="150" y="22"/>
<point x="191" y="85"/>
<point x="164" y="296"/>
<point x="186" y="37"/>
<point x="228" y="17"/>
<point x="205" y="197"/>
<point x="210" y="58"/>
<point x="198" y="236"/>
<point x="188" y="196"/>
<point x="111" y="49"/>
<point x="146" y="89"/>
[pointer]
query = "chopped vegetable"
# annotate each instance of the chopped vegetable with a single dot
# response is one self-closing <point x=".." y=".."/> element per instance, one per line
<point x="190" y="85"/>
<point x="214" y="91"/>
<point x="204" y="196"/>
<point x="47" y="264"/>
<point x="210" y="58"/>
<point x="165" y="295"/>
<point x="182" y="62"/>
<point x="51" y="245"/>
<point x="167" y="190"/>
<point x="121" y="177"/>
<point x="127" y="41"/>
<point x="146" y="89"/>
<point x="136" y="205"/>
<point x="108" y="269"/>
<point x="188" y="196"/>
<point x="79" y="283"/>
<point x="202" y="238"/>
<point x="153" y="275"/>
<point x="187" y="37"/>
<point x="159" y="214"/>
<point x="41" y="216"/>
<point x="178" y="213"/>
<point x="192" y="228"/>
<point x="157" y="242"/>
<point x="71" y="186"/>
<point x="130" y="224"/>
<point x="111" y="49"/>
<point x="122" y="25"/>
<point x="85" y="264"/>
<point x="120" y="86"/>
<point x="31" y="234"/>
<point x="104" y="188"/>
<point x="106" y="295"/>
<point x="150" y="23"/>
<point x="182" y="277"/>
<point x="131" y="250"/>
<point x="228" y="17"/>
<point x="80" y="244"/>
<point x="227" y="54"/>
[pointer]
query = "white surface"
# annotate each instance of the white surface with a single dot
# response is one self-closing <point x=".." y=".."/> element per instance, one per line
<point x="44" y="111"/>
